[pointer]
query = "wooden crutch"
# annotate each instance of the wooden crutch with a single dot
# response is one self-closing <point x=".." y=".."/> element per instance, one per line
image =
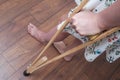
<point x="43" y="62"/>
<point x="38" y="63"/>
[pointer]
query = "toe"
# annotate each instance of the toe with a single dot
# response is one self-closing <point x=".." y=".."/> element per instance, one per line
<point x="29" y="29"/>
<point x="32" y="26"/>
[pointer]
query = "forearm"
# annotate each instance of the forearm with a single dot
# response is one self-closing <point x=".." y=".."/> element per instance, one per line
<point x="110" y="17"/>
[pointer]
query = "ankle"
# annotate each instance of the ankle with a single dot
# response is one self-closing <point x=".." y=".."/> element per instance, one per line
<point x="42" y="36"/>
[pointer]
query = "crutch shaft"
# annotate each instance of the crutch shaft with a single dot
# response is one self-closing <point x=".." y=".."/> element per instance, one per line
<point x="58" y="32"/>
<point x="79" y="47"/>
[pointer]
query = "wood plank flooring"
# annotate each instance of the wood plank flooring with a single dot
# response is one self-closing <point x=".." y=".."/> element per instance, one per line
<point x="18" y="48"/>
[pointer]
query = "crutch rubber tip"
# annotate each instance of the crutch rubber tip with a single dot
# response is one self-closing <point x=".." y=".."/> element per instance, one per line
<point x="25" y="73"/>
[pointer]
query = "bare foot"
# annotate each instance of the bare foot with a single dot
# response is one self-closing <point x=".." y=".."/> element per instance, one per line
<point x="37" y="34"/>
<point x="60" y="46"/>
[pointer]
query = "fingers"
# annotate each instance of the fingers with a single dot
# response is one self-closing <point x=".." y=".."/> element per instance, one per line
<point x="74" y="24"/>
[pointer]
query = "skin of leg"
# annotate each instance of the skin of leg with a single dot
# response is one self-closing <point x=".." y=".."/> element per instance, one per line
<point x="75" y="43"/>
<point x="61" y="47"/>
<point x="45" y="37"/>
<point x="60" y="37"/>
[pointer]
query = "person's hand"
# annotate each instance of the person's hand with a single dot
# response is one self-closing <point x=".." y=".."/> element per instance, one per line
<point x="87" y="23"/>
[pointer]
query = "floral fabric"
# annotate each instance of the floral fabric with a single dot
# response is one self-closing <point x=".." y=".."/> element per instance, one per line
<point x="110" y="44"/>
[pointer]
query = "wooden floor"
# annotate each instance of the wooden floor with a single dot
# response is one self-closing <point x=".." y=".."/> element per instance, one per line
<point x="18" y="48"/>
